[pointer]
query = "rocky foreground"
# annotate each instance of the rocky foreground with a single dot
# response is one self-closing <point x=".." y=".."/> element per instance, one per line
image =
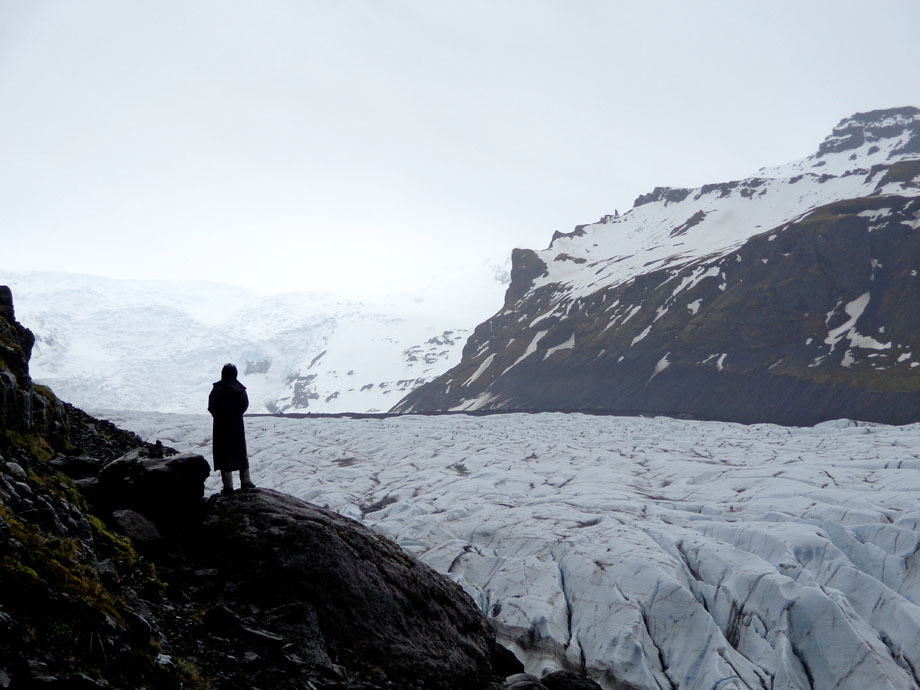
<point x="115" y="572"/>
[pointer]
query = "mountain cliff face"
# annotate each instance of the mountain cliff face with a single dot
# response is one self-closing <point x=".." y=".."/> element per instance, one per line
<point x="24" y="407"/>
<point x="791" y="297"/>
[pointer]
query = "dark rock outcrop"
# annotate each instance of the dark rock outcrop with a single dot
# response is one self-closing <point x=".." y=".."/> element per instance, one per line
<point x="98" y="439"/>
<point x="525" y="266"/>
<point x="371" y="604"/>
<point x="78" y="607"/>
<point x="666" y="194"/>
<point x="165" y="489"/>
<point x="142" y="531"/>
<point x="24" y="407"/>
<point x="305" y="594"/>
<point x="852" y="132"/>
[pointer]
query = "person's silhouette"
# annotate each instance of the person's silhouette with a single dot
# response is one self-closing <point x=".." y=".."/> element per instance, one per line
<point x="227" y="403"/>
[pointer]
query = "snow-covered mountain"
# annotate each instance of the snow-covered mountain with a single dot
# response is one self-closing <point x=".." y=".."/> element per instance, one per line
<point x="149" y="345"/>
<point x="654" y="553"/>
<point x="788" y="297"/>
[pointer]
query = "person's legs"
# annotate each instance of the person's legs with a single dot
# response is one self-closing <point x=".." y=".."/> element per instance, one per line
<point x="245" y="480"/>
<point x="227" y="479"/>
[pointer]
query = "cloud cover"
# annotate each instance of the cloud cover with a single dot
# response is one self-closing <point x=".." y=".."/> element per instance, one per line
<point x="356" y="144"/>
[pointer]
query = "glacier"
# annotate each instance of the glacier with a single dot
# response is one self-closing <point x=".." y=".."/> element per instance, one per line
<point x="101" y="341"/>
<point x="649" y="552"/>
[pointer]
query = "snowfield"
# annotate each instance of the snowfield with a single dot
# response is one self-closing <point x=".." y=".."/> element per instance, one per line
<point x="660" y="552"/>
<point x="677" y="227"/>
<point x="99" y="339"/>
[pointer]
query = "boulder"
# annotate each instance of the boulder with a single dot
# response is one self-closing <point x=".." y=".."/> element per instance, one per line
<point x="77" y="466"/>
<point x="568" y="680"/>
<point x="142" y="532"/>
<point x="373" y="605"/>
<point x="504" y="662"/>
<point x="167" y="490"/>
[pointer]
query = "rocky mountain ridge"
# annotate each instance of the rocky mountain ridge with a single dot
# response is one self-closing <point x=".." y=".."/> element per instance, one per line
<point x="788" y="297"/>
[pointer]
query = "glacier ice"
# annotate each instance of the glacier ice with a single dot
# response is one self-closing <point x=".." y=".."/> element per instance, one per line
<point x="664" y="553"/>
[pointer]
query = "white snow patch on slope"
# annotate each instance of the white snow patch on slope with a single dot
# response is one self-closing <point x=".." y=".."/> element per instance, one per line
<point x="874" y="214"/>
<point x="486" y="363"/>
<point x="660" y="366"/>
<point x="641" y="336"/>
<point x="632" y="312"/>
<point x="531" y="348"/>
<point x="866" y="342"/>
<point x="848" y="330"/>
<point x="694" y="278"/>
<point x="567" y="345"/>
<point x="476" y="403"/>
<point x="746" y="556"/>
<point x="854" y="310"/>
<point x="540" y="318"/>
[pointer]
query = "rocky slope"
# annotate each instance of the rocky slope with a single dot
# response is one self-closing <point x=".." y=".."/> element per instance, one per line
<point x="790" y="297"/>
<point x="99" y="340"/>
<point x="167" y="590"/>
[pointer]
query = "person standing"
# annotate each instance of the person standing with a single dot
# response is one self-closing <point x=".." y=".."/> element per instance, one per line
<point x="227" y="403"/>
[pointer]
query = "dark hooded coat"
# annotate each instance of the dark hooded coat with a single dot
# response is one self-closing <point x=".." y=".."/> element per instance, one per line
<point x="227" y="403"/>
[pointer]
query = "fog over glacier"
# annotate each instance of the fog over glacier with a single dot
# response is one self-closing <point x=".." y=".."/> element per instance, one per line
<point x="661" y="552"/>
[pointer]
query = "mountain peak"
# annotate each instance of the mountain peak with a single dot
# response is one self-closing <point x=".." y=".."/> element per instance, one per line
<point x="874" y="126"/>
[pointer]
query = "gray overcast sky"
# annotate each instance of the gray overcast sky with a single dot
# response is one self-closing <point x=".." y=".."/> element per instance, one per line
<point x="297" y="144"/>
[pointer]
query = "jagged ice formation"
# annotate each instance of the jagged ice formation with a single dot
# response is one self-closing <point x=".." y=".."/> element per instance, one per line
<point x="652" y="552"/>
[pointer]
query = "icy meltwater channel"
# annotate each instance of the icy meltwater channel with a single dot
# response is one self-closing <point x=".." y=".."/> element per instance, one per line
<point x="663" y="553"/>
